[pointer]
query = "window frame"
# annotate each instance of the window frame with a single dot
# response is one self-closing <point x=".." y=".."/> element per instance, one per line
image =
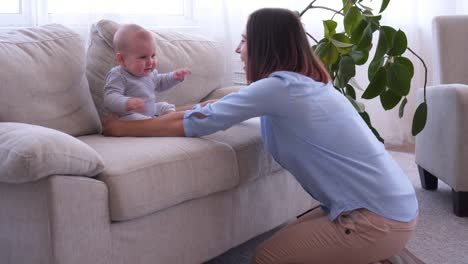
<point x="25" y="17"/>
<point x="34" y="13"/>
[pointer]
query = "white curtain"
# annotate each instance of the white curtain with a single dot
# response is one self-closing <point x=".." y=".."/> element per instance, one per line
<point x="224" y="21"/>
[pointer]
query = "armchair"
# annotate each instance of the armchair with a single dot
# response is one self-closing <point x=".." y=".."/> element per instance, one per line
<point x="442" y="147"/>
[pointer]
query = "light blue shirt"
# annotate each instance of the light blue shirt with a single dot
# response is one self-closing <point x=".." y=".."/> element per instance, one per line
<point x="314" y="132"/>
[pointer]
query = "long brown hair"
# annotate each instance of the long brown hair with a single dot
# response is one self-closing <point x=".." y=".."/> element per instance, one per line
<point x="276" y="41"/>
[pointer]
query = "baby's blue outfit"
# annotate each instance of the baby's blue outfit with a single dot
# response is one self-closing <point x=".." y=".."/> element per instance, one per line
<point x="121" y="85"/>
<point x="315" y="133"/>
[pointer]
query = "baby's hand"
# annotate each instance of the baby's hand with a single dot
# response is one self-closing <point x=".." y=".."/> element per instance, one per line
<point x="181" y="73"/>
<point x="135" y="103"/>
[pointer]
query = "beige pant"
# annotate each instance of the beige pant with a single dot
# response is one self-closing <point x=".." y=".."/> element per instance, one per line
<point x="359" y="236"/>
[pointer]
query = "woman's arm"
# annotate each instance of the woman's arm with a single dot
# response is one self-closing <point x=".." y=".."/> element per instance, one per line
<point x="169" y="125"/>
<point x="189" y="107"/>
<point x="264" y="97"/>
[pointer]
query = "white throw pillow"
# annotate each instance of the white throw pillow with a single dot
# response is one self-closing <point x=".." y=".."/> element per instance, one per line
<point x="43" y="80"/>
<point x="29" y="153"/>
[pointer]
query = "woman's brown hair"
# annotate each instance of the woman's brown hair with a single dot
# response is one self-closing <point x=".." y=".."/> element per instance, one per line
<point x="276" y="41"/>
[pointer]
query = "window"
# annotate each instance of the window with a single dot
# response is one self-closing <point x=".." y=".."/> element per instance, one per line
<point x="15" y="12"/>
<point x="82" y="12"/>
<point x="10" y="6"/>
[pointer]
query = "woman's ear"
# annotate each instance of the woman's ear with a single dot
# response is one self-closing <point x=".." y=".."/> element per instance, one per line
<point x="120" y="58"/>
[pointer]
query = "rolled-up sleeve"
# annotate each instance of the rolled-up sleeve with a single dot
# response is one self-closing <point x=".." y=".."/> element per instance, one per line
<point x="260" y="98"/>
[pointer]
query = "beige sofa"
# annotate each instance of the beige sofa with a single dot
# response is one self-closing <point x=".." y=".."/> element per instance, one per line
<point x="69" y="195"/>
<point x="441" y="148"/>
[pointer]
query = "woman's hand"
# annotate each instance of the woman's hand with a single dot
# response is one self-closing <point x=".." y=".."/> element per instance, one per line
<point x="110" y="125"/>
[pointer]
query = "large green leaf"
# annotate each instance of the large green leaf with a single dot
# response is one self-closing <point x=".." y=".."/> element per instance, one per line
<point x="419" y="119"/>
<point x="382" y="45"/>
<point x="342" y="43"/>
<point x="357" y="105"/>
<point x="365" y="43"/>
<point x="376" y="86"/>
<point x="356" y="36"/>
<point x="327" y="52"/>
<point x="366" y="118"/>
<point x="373" y="67"/>
<point x="359" y="56"/>
<point x="376" y="134"/>
<point x="399" y="45"/>
<point x="389" y="34"/>
<point x="347" y="4"/>
<point x="374" y="21"/>
<point x="407" y="63"/>
<point x="401" y="111"/>
<point x="350" y="91"/>
<point x="355" y="84"/>
<point x="384" y="5"/>
<point x="347" y="70"/>
<point x="351" y="19"/>
<point x="398" y="78"/>
<point x="330" y="28"/>
<point x="389" y="99"/>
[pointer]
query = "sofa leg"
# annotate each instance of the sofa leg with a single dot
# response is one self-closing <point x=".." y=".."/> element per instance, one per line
<point x="460" y="203"/>
<point x="428" y="181"/>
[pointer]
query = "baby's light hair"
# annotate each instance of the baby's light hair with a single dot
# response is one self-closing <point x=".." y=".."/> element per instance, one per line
<point x="128" y="33"/>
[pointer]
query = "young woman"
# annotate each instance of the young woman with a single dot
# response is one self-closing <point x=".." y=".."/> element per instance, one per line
<point x="368" y="206"/>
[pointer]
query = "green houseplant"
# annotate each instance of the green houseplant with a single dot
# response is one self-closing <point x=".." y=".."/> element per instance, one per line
<point x="389" y="72"/>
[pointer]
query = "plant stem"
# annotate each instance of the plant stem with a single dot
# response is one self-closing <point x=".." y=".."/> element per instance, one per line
<point x="326" y="8"/>
<point x="425" y="71"/>
<point x="307" y="8"/>
<point x="312" y="37"/>
<point x="345" y="5"/>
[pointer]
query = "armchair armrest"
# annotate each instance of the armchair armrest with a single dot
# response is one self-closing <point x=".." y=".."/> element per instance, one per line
<point x="29" y="153"/>
<point x="441" y="147"/>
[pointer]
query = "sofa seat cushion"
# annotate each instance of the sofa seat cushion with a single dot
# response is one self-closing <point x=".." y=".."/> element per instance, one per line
<point x="145" y="175"/>
<point x="253" y="160"/>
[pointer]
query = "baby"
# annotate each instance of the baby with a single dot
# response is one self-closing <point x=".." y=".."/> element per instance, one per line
<point x="130" y="87"/>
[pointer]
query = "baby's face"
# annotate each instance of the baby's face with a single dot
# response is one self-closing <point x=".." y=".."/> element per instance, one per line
<point x="140" y="60"/>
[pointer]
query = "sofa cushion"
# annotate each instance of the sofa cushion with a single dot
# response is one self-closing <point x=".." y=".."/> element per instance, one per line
<point x="29" y="153"/>
<point x="253" y="160"/>
<point x="173" y="50"/>
<point x="43" y="80"/>
<point x="145" y="175"/>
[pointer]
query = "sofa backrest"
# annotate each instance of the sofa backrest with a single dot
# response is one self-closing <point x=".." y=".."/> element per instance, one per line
<point x="451" y="49"/>
<point x="173" y="50"/>
<point x="43" y="80"/>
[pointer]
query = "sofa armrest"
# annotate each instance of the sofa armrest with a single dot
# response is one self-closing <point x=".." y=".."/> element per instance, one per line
<point x="29" y="153"/>
<point x="441" y="147"/>
<point x="221" y="92"/>
<point x="58" y="219"/>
